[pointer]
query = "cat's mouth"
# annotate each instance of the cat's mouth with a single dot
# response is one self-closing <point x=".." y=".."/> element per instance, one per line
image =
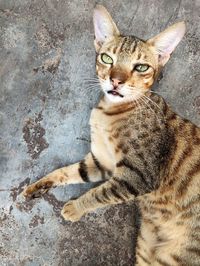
<point x="115" y="93"/>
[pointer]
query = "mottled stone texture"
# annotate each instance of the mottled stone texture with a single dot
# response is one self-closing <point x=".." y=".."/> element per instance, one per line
<point x="46" y="53"/>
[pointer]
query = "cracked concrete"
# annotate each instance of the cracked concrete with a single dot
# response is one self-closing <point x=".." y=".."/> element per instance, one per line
<point x="46" y="55"/>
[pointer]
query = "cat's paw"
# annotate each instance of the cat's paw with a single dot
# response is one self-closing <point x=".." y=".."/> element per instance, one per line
<point x="36" y="189"/>
<point x="70" y="212"/>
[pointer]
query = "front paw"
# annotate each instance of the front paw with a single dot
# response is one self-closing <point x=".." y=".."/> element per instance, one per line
<point x="70" y="212"/>
<point x="36" y="189"/>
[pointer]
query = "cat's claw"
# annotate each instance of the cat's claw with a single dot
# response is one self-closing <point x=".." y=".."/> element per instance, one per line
<point x="37" y="189"/>
<point x="70" y="212"/>
<point x="27" y="192"/>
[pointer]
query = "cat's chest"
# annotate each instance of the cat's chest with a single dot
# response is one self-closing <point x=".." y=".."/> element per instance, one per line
<point x="100" y="122"/>
<point x="101" y="128"/>
<point x="101" y="145"/>
<point x="114" y="130"/>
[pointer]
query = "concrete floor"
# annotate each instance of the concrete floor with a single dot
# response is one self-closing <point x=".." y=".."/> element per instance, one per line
<point x="46" y="53"/>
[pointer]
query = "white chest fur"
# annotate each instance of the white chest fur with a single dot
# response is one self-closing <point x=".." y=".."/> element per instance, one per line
<point x="100" y="144"/>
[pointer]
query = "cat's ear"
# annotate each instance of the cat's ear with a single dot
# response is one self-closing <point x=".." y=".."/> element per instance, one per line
<point x="165" y="42"/>
<point x="104" y="26"/>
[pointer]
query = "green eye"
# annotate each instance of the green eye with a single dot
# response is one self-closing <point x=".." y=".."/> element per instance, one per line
<point x="106" y="59"/>
<point x="141" y="68"/>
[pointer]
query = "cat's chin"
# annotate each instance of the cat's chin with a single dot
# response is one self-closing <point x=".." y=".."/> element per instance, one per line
<point x="117" y="99"/>
<point x="114" y="98"/>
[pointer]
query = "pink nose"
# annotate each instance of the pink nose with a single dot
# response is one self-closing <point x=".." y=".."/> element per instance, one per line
<point x="116" y="82"/>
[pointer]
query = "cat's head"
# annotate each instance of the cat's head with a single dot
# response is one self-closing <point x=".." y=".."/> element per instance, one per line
<point x="128" y="66"/>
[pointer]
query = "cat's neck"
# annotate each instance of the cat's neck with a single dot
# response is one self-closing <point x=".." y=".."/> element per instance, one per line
<point x="111" y="108"/>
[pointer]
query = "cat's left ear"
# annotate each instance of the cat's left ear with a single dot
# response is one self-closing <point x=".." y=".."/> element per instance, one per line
<point x="165" y="42"/>
<point x="104" y="26"/>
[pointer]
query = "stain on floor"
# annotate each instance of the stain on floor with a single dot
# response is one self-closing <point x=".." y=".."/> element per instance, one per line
<point x="33" y="134"/>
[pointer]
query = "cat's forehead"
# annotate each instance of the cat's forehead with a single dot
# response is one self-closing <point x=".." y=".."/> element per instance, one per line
<point x="129" y="48"/>
<point x="127" y="44"/>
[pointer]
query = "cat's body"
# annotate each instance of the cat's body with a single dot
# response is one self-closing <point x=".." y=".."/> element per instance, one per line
<point x="163" y="150"/>
<point x="143" y="151"/>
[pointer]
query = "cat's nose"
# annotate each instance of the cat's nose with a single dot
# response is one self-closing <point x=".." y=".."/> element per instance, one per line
<point x="118" y="76"/>
<point x="116" y="82"/>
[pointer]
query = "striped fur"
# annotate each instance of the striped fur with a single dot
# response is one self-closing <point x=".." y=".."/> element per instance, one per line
<point x="142" y="151"/>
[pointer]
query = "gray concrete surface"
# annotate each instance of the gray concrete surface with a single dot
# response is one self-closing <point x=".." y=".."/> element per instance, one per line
<point x="46" y="53"/>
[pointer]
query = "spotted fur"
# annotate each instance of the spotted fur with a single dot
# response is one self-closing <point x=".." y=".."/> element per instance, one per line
<point x="140" y="148"/>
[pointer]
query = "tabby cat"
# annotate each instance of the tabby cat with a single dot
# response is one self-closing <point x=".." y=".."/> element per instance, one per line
<point x="139" y="147"/>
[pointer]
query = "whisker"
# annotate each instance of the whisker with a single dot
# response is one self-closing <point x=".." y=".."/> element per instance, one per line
<point x="139" y="107"/>
<point x="155" y="104"/>
<point x="87" y="91"/>
<point x="152" y="110"/>
<point x="142" y="108"/>
<point x="139" y="120"/>
<point x="91" y="79"/>
<point x="92" y="86"/>
<point x="154" y="92"/>
<point x="92" y="82"/>
<point x="87" y="76"/>
<point x="149" y="104"/>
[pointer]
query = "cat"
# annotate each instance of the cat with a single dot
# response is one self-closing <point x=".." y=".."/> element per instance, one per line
<point x="140" y="148"/>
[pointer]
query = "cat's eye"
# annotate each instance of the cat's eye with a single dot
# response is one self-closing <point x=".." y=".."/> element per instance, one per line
<point x="141" y="68"/>
<point x="106" y="59"/>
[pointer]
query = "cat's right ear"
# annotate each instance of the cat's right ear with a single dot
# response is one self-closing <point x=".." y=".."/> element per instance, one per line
<point x="104" y="26"/>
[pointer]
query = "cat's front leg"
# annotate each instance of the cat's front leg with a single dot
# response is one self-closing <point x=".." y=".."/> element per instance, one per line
<point x="87" y="170"/>
<point x="127" y="183"/>
<point x="113" y="191"/>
